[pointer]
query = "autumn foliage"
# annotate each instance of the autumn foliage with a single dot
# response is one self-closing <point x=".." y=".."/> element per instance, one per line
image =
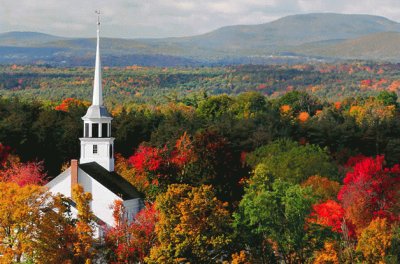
<point x="231" y="179"/>
<point x="370" y="191"/>
<point x="328" y="255"/>
<point x="331" y="214"/>
<point x="304" y="116"/>
<point x="131" y="241"/>
<point x="84" y="245"/>
<point x="34" y="225"/>
<point x="23" y="173"/>
<point x="147" y="159"/>
<point x="69" y="103"/>
<point x="375" y="241"/>
<point x="191" y="222"/>
<point x="322" y="187"/>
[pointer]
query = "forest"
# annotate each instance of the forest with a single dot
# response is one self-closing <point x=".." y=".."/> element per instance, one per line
<point x="159" y="85"/>
<point x="244" y="164"/>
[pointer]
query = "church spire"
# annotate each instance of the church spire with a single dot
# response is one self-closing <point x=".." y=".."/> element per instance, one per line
<point x="97" y="85"/>
<point x="97" y="145"/>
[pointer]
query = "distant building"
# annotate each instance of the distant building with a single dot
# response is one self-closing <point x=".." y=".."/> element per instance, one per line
<point x="95" y="171"/>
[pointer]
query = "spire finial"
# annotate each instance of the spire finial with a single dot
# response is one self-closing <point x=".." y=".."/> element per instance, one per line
<point x="98" y="18"/>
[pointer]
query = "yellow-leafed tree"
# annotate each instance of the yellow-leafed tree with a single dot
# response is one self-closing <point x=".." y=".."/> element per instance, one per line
<point x="83" y="246"/>
<point x="193" y="226"/>
<point x="34" y="225"/>
<point x="375" y="241"/>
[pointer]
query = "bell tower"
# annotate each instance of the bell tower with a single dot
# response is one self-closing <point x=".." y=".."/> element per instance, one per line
<point x="97" y="145"/>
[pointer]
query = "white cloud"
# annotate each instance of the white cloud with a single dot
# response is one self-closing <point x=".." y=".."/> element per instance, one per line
<point x="161" y="18"/>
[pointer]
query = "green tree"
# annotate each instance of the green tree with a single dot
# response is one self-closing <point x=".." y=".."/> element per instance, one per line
<point x="387" y="98"/>
<point x="276" y="213"/>
<point x="287" y="160"/>
<point x="215" y="107"/>
<point x="249" y="104"/>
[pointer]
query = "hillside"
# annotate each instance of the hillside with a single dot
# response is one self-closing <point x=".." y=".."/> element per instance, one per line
<point x="304" y="36"/>
<point x="383" y="46"/>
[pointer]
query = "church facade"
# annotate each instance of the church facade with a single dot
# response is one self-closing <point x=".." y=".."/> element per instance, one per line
<point x="95" y="169"/>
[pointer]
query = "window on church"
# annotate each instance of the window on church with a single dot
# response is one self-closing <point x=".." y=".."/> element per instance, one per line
<point x="104" y="130"/>
<point x="86" y="130"/>
<point x="111" y="151"/>
<point x="95" y="130"/>
<point x="94" y="149"/>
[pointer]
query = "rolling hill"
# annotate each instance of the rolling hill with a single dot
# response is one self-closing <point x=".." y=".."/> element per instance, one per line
<point x="297" y="37"/>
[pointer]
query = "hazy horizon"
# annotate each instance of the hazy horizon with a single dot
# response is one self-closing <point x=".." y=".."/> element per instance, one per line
<point x="174" y="18"/>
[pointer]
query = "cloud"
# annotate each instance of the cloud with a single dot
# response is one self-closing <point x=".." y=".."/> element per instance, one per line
<point x="162" y="18"/>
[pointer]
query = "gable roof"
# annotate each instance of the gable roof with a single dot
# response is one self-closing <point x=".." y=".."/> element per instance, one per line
<point x="111" y="180"/>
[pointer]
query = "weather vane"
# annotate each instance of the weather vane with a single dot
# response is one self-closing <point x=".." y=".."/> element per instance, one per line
<point x="98" y="17"/>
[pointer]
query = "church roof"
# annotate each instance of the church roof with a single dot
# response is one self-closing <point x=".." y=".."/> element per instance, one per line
<point x="111" y="180"/>
<point x="97" y="111"/>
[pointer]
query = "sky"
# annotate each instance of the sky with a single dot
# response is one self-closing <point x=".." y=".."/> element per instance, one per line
<point x="167" y="18"/>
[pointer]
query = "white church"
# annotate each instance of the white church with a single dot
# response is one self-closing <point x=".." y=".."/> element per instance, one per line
<point x="95" y="169"/>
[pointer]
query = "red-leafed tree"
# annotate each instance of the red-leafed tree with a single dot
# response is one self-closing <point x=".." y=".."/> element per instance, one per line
<point x="370" y="191"/>
<point x="131" y="241"/>
<point x="332" y="214"/>
<point x="152" y="169"/>
<point x="147" y="159"/>
<point x="23" y="173"/>
<point x="155" y="168"/>
<point x="183" y="152"/>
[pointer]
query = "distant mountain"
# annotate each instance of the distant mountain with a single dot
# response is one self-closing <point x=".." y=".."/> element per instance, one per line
<point x="383" y="46"/>
<point x="296" y="30"/>
<point x="26" y="38"/>
<point x="297" y="37"/>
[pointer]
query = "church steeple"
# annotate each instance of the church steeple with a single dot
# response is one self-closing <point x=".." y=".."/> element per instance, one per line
<point x="97" y="145"/>
<point x="97" y="85"/>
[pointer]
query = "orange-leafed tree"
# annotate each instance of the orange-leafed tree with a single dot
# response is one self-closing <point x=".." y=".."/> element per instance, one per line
<point x="84" y="245"/>
<point x="67" y="104"/>
<point x="241" y="258"/>
<point x="303" y="116"/>
<point x="323" y="188"/>
<point x="194" y="226"/>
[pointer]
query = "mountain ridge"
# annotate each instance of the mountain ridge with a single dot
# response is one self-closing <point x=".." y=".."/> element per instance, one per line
<point x="304" y="35"/>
